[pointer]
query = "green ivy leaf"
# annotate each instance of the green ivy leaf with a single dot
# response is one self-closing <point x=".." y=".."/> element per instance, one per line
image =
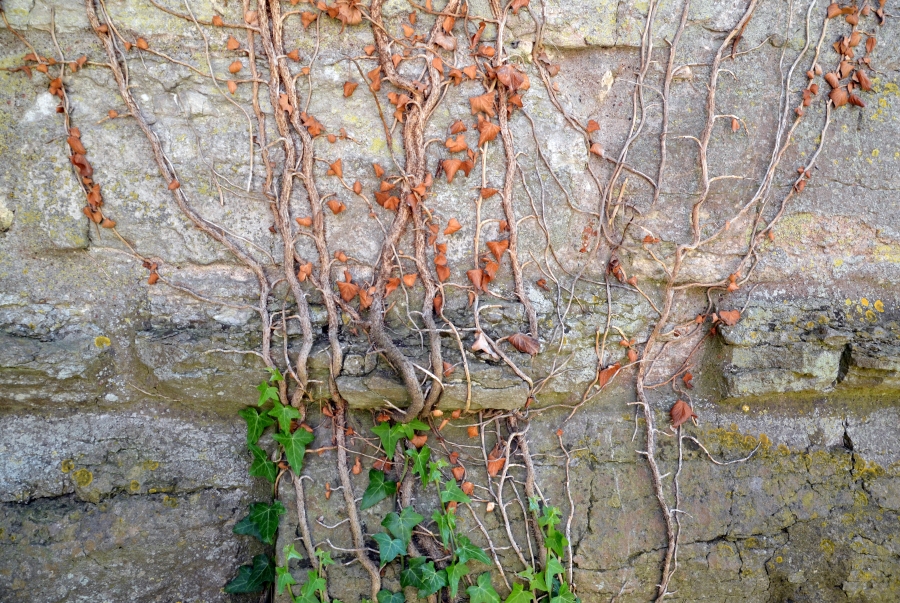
<point x="266" y="392"/>
<point x="389" y="436"/>
<point x="550" y="517"/>
<point x="554" y="568"/>
<point x="420" y="460"/>
<point x="434" y="471"/>
<point x="455" y="572"/>
<point x="446" y="524"/>
<point x="431" y="580"/>
<point x="256" y="423"/>
<point x="252" y="578"/>
<point x="410" y="429"/>
<point x="284" y="414"/>
<point x="483" y="591"/>
<point x="388" y="548"/>
<point x="379" y="489"/>
<point x="535" y="581"/>
<point x="290" y="552"/>
<point x="262" y="522"/>
<point x="452" y="492"/>
<point x="386" y="596"/>
<point x="565" y="595"/>
<point x="284" y="579"/>
<point x="556" y="541"/>
<point x="274" y="374"/>
<point x="261" y="465"/>
<point x="409" y="575"/>
<point x="401" y="526"/>
<point x="324" y="558"/>
<point x="314" y="584"/>
<point x="520" y="595"/>
<point x="465" y="551"/>
<point x="294" y="447"/>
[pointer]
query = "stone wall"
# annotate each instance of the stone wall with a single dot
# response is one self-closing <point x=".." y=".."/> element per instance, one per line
<point x="125" y="462"/>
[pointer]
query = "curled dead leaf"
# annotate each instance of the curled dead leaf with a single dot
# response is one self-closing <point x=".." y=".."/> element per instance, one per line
<point x="347" y="288"/>
<point x="730" y="317"/>
<point x="472" y="431"/>
<point x="419" y="440"/>
<point x="335" y="169"/>
<point x="606" y="375"/>
<point x="459" y="472"/>
<point x="681" y="413"/>
<point x="468" y="488"/>
<point x="483" y="104"/>
<point x="458" y="145"/>
<point x="481" y="345"/>
<point x="142" y="44"/>
<point x="232" y="43"/>
<point x="305" y="221"/>
<point x="336" y="206"/>
<point x="232" y="86"/>
<point x="235" y="67"/>
<point x="498" y="248"/>
<point x="524" y="343"/>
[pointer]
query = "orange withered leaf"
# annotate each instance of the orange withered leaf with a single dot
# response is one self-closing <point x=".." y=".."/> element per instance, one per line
<point x="730" y="317"/>
<point x="217" y="21"/>
<point x="488" y="131"/>
<point x="483" y="104"/>
<point x="232" y="86"/>
<point x="458" y="145"/>
<point x="606" y="375"/>
<point x="336" y="206"/>
<point x="592" y="126"/>
<point x="515" y="5"/>
<point x="410" y="279"/>
<point x="472" y="430"/>
<point x="347" y="288"/>
<point x="687" y="378"/>
<point x="336" y="169"/>
<point x="379" y="171"/>
<point x="597" y="149"/>
<point x="349" y="87"/>
<point x="735" y="124"/>
<point x="476" y="275"/>
<point x="443" y="273"/>
<point x="306" y="221"/>
<point x="524" y="343"/>
<point x="681" y="413"/>
<point x="459" y="472"/>
<point x="438" y="303"/>
<point x="235" y="67"/>
<point x="174" y="185"/>
<point x="340" y="256"/>
<point x="498" y="248"/>
<point x="142" y="44"/>
<point x="468" y="488"/>
<point x="510" y="76"/>
<point x="304" y="271"/>
<point x="471" y="71"/>
<point x="451" y="166"/>
<point x="307" y="18"/>
<point x="285" y="104"/>
<point x="232" y="43"/>
<point x="392" y="283"/>
<point x="452" y="226"/>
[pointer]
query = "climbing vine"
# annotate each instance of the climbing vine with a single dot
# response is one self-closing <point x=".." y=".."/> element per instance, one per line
<point x="414" y="64"/>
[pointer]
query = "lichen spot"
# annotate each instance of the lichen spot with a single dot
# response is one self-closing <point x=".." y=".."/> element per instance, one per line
<point x="864" y="302"/>
<point x="102" y="341"/>
<point x="134" y="486"/>
<point x="827" y="546"/>
<point x="67" y="465"/>
<point x="778" y="559"/>
<point x="745" y="408"/>
<point x="83" y="478"/>
<point x="878" y="305"/>
<point x="150" y="465"/>
<point x="170" y="502"/>
<point x="870" y="316"/>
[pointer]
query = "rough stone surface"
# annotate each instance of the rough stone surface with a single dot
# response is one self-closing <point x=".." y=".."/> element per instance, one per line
<point x="125" y="466"/>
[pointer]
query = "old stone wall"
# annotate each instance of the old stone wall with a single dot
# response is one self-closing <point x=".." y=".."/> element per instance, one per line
<point x="125" y="465"/>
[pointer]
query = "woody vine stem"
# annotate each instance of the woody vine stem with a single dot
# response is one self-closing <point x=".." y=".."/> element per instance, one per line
<point x="416" y="72"/>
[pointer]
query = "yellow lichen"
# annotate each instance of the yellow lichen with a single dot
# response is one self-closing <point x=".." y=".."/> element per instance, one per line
<point x="67" y="465"/>
<point x="102" y="341"/>
<point x="83" y="477"/>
